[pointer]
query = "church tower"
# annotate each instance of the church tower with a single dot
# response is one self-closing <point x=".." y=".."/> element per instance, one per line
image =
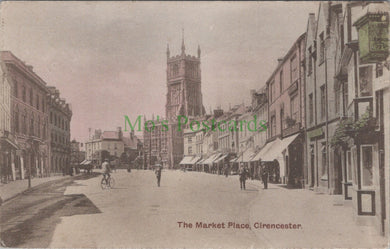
<point x="184" y="95"/>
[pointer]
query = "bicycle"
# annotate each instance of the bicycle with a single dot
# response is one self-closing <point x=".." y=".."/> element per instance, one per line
<point x="107" y="183"/>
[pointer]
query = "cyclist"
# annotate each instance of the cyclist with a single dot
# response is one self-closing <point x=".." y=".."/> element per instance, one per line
<point x="106" y="170"/>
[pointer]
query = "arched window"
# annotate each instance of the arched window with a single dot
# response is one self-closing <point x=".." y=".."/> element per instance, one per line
<point x="32" y="125"/>
<point x="15" y="88"/>
<point x="39" y="127"/>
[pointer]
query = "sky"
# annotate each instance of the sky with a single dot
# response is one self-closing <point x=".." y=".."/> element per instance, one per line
<point x="108" y="59"/>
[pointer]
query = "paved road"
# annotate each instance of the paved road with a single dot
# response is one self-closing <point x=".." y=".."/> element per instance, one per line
<point x="137" y="213"/>
<point x="29" y="219"/>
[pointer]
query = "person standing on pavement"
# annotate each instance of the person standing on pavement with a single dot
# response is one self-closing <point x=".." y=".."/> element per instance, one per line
<point x="242" y="174"/>
<point x="158" y="174"/>
<point x="264" y="176"/>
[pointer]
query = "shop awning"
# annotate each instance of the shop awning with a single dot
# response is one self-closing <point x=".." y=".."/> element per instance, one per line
<point x="263" y="151"/>
<point x="233" y="160"/>
<point x="277" y="147"/>
<point x="9" y="142"/>
<point x="212" y="158"/>
<point x="195" y="160"/>
<point x="186" y="160"/>
<point x="85" y="162"/>
<point x="248" y="155"/>
<point x="221" y="158"/>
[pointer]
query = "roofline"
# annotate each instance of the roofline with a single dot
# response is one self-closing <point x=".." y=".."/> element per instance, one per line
<point x="300" y="38"/>
<point x="23" y="67"/>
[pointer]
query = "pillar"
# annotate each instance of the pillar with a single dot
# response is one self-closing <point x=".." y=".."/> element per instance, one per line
<point x="42" y="166"/>
<point x="22" y="167"/>
<point x="13" y="166"/>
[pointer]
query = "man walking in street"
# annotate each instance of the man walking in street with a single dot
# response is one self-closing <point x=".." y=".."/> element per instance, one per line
<point x="242" y="174"/>
<point x="264" y="176"/>
<point x="158" y="174"/>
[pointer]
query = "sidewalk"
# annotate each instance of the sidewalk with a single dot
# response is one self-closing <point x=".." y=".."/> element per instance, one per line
<point x="323" y="222"/>
<point x="13" y="188"/>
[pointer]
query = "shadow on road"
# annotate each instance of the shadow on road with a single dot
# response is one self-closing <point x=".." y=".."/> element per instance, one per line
<point x="29" y="220"/>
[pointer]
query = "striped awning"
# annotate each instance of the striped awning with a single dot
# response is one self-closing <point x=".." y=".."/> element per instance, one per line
<point x="186" y="160"/>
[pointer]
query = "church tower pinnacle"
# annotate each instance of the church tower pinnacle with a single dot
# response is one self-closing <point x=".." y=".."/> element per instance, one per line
<point x="183" y="48"/>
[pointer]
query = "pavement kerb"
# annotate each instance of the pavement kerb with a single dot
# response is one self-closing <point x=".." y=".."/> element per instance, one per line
<point x="28" y="190"/>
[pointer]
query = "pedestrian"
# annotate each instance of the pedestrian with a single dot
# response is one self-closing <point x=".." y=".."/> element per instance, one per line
<point x="264" y="176"/>
<point x="158" y="174"/>
<point x="242" y="174"/>
<point x="226" y="170"/>
<point x="106" y="170"/>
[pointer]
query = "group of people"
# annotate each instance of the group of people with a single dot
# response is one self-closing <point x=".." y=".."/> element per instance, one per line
<point x="106" y="168"/>
<point x="243" y="173"/>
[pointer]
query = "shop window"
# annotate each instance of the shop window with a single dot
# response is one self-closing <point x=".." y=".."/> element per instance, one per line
<point x="354" y="165"/>
<point x="365" y="81"/>
<point x="349" y="167"/>
<point x="379" y="70"/>
<point x="366" y="165"/>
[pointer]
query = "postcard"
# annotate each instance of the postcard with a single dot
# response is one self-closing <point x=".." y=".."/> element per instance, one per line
<point x="179" y="124"/>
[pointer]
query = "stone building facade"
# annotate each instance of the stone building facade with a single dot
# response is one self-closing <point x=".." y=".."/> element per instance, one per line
<point x="7" y="140"/>
<point x="29" y="123"/>
<point x="184" y="97"/>
<point x="286" y="114"/>
<point x="363" y="66"/>
<point x="322" y="100"/>
<point x="60" y="115"/>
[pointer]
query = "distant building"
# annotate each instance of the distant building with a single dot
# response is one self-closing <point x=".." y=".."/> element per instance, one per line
<point x="155" y="144"/>
<point x="105" y="145"/>
<point x="77" y="155"/>
<point x="133" y="148"/>
<point x="60" y="115"/>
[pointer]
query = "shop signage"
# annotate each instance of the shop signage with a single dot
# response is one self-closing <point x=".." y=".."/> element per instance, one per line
<point x="315" y="133"/>
<point x="373" y="31"/>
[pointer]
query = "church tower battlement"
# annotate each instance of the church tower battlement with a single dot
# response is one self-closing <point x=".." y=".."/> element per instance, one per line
<point x="184" y="95"/>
